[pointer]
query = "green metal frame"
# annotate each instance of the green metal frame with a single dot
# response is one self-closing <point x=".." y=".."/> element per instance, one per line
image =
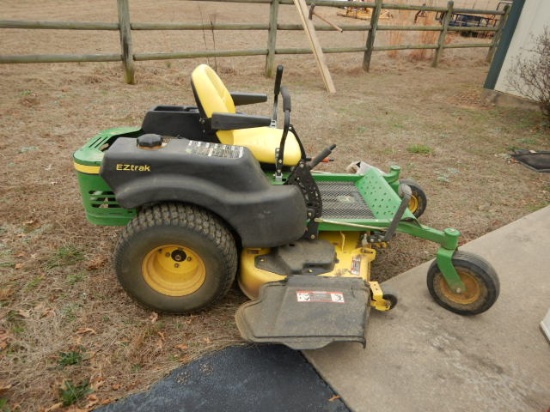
<point x="99" y="201"/>
<point x="380" y="192"/>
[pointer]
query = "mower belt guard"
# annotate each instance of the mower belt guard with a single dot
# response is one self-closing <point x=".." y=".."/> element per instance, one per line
<point x="307" y="312"/>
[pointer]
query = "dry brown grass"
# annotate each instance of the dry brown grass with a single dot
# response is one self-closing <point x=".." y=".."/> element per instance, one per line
<point x="58" y="292"/>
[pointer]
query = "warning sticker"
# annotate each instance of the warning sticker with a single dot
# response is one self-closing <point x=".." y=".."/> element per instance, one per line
<point x="319" y="296"/>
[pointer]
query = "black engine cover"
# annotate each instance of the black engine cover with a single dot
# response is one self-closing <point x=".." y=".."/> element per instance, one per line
<point x="226" y="180"/>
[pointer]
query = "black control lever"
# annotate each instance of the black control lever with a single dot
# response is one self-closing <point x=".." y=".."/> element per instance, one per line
<point x="406" y="193"/>
<point x="321" y="156"/>
<point x="280" y="154"/>
<point x="276" y="91"/>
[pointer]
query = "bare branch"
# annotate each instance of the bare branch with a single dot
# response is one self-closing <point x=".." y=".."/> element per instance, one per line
<point x="530" y="73"/>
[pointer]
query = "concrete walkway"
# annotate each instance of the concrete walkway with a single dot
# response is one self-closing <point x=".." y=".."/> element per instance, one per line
<point x="420" y="357"/>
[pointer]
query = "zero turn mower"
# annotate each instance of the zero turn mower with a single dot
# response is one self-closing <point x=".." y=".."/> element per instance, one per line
<point x="208" y="194"/>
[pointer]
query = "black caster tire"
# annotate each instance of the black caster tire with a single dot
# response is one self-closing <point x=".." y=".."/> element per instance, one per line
<point x="419" y="201"/>
<point x="392" y="299"/>
<point x="479" y="277"/>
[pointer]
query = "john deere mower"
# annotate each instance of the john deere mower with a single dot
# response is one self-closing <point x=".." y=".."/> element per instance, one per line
<point x="208" y="195"/>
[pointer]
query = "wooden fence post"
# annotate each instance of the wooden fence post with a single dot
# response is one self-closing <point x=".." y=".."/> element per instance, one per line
<point x="126" y="40"/>
<point x="443" y="33"/>
<point x="372" y="35"/>
<point x="272" y="38"/>
<point x="498" y="34"/>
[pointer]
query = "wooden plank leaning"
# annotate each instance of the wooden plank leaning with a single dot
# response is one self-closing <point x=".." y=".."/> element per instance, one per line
<point x="315" y="45"/>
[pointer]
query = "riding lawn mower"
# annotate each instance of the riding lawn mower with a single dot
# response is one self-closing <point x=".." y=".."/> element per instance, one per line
<point x="208" y="195"/>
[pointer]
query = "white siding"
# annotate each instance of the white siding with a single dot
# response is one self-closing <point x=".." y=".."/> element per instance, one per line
<point x="534" y="17"/>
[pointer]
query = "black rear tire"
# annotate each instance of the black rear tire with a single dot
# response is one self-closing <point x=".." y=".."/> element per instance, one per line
<point x="176" y="258"/>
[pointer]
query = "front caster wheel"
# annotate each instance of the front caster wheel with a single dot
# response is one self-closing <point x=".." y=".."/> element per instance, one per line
<point x="479" y="277"/>
<point x="380" y="300"/>
<point x="419" y="201"/>
<point x="391" y="299"/>
<point x="174" y="258"/>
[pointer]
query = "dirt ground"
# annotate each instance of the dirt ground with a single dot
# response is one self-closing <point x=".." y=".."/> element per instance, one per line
<point x="66" y="327"/>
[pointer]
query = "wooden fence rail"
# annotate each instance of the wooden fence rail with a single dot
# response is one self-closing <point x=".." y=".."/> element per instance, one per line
<point x="125" y="27"/>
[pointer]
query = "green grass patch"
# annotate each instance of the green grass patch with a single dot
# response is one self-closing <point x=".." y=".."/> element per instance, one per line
<point x="420" y="149"/>
<point x="25" y="149"/>
<point x="69" y="312"/>
<point x="445" y="175"/>
<point x="33" y="283"/>
<point x="536" y="206"/>
<point x="4" y="406"/>
<point x="70" y="393"/>
<point x="73" y="357"/>
<point x="75" y="278"/>
<point x="65" y="256"/>
<point x="6" y="259"/>
<point x="16" y="322"/>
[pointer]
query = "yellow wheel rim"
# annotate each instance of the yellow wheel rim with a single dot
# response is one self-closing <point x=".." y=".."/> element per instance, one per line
<point x="173" y="270"/>
<point x="470" y="295"/>
<point x="413" y="204"/>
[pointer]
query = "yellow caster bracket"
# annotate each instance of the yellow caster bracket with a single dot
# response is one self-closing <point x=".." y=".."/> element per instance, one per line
<point x="381" y="301"/>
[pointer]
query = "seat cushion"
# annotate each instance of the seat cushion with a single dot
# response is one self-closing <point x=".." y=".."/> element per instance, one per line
<point x="262" y="142"/>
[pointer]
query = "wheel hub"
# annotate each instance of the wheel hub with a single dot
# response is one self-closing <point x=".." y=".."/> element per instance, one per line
<point x="179" y="255"/>
<point x="174" y="270"/>
<point x="468" y="296"/>
<point x="413" y="204"/>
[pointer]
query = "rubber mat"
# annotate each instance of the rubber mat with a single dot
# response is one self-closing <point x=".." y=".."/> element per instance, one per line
<point x="240" y="378"/>
<point x="538" y="161"/>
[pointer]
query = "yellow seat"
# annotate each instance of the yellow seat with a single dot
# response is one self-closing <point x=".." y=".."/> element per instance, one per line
<point x="213" y="97"/>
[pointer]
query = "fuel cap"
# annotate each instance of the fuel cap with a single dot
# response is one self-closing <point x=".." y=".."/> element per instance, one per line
<point x="149" y="140"/>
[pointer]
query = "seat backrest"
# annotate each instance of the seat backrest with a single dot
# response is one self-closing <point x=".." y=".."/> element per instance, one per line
<point x="212" y="97"/>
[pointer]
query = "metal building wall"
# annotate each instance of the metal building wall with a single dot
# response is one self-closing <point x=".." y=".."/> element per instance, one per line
<point x="534" y="17"/>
